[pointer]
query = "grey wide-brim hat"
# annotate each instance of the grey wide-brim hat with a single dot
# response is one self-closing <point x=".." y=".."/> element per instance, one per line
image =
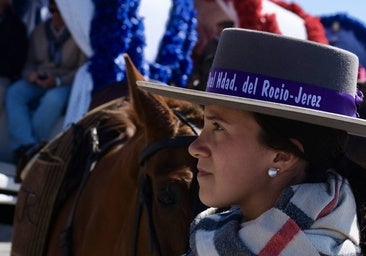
<point x="280" y="76"/>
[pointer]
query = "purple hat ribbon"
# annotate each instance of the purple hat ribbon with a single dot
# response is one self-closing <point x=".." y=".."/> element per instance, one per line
<point x="358" y="99"/>
<point x="270" y="89"/>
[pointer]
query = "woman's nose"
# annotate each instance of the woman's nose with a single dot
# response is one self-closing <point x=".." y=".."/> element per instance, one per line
<point x="197" y="148"/>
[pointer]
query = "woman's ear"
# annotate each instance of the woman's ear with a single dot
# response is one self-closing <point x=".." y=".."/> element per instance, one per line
<point x="286" y="160"/>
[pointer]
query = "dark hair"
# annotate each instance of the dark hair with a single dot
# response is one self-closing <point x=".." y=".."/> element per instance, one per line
<point x="225" y="24"/>
<point x="322" y="146"/>
<point x="323" y="149"/>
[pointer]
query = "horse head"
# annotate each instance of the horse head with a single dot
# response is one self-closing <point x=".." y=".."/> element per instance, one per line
<point x="141" y="194"/>
<point x="168" y="186"/>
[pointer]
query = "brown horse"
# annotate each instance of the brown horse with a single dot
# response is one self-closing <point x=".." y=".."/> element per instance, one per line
<point x="141" y="194"/>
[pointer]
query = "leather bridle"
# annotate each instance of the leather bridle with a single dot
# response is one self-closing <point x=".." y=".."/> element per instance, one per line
<point x="97" y="152"/>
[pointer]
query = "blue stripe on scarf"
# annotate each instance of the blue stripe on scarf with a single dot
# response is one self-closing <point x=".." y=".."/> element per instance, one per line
<point x="226" y="241"/>
<point x="209" y="224"/>
<point x="285" y="205"/>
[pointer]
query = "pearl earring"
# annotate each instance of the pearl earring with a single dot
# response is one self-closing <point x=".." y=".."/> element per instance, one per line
<point x="272" y="172"/>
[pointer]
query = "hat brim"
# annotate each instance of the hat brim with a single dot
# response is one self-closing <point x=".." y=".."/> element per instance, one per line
<point x="352" y="125"/>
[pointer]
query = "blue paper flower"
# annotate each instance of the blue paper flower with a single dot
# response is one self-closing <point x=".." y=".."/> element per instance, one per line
<point x="117" y="29"/>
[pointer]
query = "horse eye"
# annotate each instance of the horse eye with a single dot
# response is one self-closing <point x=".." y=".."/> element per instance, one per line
<point x="166" y="196"/>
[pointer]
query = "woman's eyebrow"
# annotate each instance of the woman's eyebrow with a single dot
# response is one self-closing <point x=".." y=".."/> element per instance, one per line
<point x="214" y="117"/>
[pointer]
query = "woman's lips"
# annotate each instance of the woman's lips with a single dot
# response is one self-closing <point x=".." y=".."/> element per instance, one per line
<point x="202" y="173"/>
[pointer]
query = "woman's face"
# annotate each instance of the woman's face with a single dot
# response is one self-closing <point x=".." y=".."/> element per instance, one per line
<point x="232" y="163"/>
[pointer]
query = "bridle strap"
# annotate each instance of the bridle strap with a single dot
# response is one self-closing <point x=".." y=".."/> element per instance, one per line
<point x="147" y="193"/>
<point x="184" y="119"/>
<point x="145" y="199"/>
<point x="97" y="153"/>
<point x="138" y="214"/>
<point x="178" y="141"/>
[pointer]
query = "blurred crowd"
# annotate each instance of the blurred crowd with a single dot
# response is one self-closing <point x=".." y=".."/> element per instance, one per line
<point x="37" y="69"/>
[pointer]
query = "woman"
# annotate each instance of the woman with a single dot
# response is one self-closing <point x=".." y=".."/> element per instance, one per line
<point x="278" y="112"/>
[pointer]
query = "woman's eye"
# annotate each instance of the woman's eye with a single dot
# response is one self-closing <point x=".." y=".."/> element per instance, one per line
<point x="217" y="126"/>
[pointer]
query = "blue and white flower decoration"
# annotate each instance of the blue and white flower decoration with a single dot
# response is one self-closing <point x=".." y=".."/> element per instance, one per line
<point x="117" y="29"/>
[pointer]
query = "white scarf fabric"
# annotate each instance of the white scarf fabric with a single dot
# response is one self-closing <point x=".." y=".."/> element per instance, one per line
<point x="308" y="219"/>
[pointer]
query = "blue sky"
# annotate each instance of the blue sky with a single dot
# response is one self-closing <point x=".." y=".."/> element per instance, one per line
<point x="354" y="8"/>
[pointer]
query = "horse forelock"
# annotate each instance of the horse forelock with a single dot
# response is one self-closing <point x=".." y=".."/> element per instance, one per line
<point x="192" y="112"/>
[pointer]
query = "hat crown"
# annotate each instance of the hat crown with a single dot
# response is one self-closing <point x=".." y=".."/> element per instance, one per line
<point x="280" y="76"/>
<point x="291" y="59"/>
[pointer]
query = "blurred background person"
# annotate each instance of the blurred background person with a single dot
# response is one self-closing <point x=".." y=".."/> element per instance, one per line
<point x="13" y="47"/>
<point x="35" y="102"/>
<point x="205" y="59"/>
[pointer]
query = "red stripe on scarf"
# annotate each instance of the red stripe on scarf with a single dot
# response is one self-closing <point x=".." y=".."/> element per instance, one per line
<point x="329" y="207"/>
<point x="281" y="239"/>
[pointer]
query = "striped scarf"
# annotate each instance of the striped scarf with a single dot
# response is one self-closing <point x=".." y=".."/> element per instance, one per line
<point x="308" y="219"/>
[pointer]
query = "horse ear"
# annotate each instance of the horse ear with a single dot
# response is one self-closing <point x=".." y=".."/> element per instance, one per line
<point x="152" y="110"/>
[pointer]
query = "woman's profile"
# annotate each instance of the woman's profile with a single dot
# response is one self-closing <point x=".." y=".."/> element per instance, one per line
<point x="271" y="156"/>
